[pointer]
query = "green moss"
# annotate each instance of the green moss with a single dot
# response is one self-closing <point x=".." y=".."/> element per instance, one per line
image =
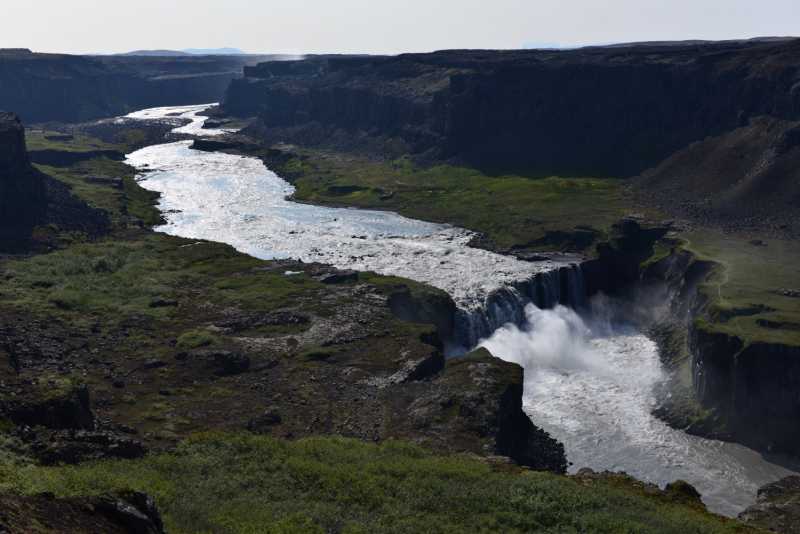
<point x="194" y="339"/>
<point x="315" y="352"/>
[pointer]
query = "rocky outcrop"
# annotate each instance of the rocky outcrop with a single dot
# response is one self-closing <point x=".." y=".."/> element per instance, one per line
<point x="615" y="265"/>
<point x="777" y="507"/>
<point x="54" y="403"/>
<point x="123" y="512"/>
<point x="22" y="189"/>
<point x="475" y="404"/>
<point x="13" y="156"/>
<point x="245" y="95"/>
<point x="429" y="308"/>
<point x="23" y="193"/>
<point x="30" y="198"/>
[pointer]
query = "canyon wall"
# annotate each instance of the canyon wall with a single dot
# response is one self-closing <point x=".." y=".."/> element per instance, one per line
<point x="609" y="110"/>
<point x="65" y="88"/>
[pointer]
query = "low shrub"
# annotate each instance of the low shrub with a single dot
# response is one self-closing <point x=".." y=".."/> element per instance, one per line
<point x="195" y="339"/>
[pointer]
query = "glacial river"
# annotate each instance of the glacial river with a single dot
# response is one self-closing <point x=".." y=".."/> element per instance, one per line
<point x="589" y="383"/>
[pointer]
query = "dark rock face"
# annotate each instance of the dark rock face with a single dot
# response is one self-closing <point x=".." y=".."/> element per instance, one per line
<point x="29" y="198"/>
<point x="22" y="189"/>
<point x="13" y="156"/>
<point x="53" y="403"/>
<point x="777" y="507"/>
<point x="617" y="266"/>
<point x="755" y="378"/>
<point x="245" y="95"/>
<point x="617" y="110"/>
<point x="475" y="404"/>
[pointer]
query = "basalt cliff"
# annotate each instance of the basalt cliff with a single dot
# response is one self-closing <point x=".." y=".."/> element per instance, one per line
<point x="725" y="112"/>
<point x="69" y="89"/>
<point x="29" y="198"/>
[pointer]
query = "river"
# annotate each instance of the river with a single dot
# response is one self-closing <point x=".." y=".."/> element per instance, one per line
<point x="587" y="382"/>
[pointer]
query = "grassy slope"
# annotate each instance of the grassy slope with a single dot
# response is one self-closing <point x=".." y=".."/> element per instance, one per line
<point x="244" y="483"/>
<point x="38" y="141"/>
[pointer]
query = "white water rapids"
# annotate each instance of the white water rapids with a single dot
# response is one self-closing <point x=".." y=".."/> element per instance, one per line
<point x="589" y="385"/>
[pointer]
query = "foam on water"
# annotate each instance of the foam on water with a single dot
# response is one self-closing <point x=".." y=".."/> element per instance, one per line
<point x="589" y="384"/>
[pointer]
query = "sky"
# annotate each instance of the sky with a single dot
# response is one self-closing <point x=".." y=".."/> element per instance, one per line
<point x="378" y="26"/>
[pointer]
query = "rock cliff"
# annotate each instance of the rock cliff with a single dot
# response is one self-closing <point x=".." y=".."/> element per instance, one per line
<point x="617" y="110"/>
<point x="30" y="198"/>
<point x="64" y="88"/>
<point x="22" y="189"/>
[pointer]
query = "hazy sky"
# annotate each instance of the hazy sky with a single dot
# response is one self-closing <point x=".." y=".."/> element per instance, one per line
<point x="378" y="26"/>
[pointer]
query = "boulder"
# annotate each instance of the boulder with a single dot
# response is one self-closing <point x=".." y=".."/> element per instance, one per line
<point x="123" y="512"/>
<point x="777" y="507"/>
<point x="224" y="362"/>
<point x="263" y="423"/>
<point x="334" y="276"/>
<point x="55" y="403"/>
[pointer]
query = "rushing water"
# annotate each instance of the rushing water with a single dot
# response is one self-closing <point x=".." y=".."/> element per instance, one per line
<point x="588" y="383"/>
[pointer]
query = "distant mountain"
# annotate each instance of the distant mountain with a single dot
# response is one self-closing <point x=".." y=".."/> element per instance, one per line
<point x="693" y="42"/>
<point x="215" y="51"/>
<point x="546" y="45"/>
<point x="154" y="53"/>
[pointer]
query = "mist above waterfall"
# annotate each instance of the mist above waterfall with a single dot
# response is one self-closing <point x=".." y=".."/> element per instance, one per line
<point x="556" y="338"/>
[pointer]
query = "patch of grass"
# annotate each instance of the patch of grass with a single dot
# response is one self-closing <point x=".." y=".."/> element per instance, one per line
<point x="220" y="393"/>
<point x="155" y="412"/>
<point x="273" y="290"/>
<point x="315" y="352"/>
<point x="14" y="453"/>
<point x="240" y="483"/>
<point x="165" y="435"/>
<point x="106" y="277"/>
<point x="513" y="207"/>
<point x="195" y="339"/>
<point x="744" y="293"/>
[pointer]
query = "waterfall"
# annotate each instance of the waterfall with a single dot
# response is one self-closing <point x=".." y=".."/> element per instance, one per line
<point x="476" y="320"/>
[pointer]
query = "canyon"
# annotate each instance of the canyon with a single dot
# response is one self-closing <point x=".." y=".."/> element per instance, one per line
<point x="703" y="136"/>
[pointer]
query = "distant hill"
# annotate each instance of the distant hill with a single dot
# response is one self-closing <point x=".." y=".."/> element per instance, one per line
<point x="154" y="53"/>
<point x="215" y="51"/>
<point x="187" y="52"/>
